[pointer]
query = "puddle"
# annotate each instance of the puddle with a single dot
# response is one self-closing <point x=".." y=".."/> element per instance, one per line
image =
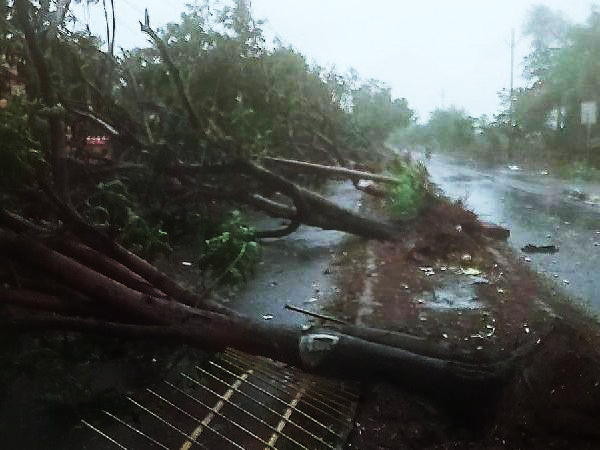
<point x="452" y="291"/>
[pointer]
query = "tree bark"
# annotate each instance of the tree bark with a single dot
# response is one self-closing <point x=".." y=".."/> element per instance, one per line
<point x="331" y="171"/>
<point x="310" y="208"/>
<point x="58" y="141"/>
<point x="320" y="351"/>
<point x="132" y="308"/>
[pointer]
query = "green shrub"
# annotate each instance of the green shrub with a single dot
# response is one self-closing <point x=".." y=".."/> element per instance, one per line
<point x="111" y="205"/>
<point x="407" y="196"/>
<point x="20" y="157"/>
<point x="144" y="239"/>
<point x="233" y="253"/>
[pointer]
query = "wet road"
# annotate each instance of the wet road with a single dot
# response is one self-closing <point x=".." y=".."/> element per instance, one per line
<point x="538" y="209"/>
<point x="293" y="269"/>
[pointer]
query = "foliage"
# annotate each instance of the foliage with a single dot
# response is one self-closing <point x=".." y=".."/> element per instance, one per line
<point x="450" y="130"/>
<point x="406" y="198"/>
<point x="415" y="136"/>
<point x="254" y="100"/>
<point x="250" y="100"/>
<point x="548" y="31"/>
<point x="580" y="171"/>
<point x="147" y="241"/>
<point x="540" y="121"/>
<point x="563" y="70"/>
<point x="112" y="205"/>
<point x="235" y="250"/>
<point x="20" y="157"/>
<point x="375" y="115"/>
<point x="453" y="129"/>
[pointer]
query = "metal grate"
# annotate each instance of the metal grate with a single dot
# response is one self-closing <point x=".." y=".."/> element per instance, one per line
<point x="237" y="401"/>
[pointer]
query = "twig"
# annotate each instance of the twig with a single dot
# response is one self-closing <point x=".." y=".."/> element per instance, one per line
<point x="173" y="71"/>
<point x="312" y="314"/>
<point x="331" y="170"/>
<point x="209" y="289"/>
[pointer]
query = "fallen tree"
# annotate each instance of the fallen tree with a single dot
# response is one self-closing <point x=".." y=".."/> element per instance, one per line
<point x="76" y="278"/>
<point x="68" y="294"/>
<point x="60" y="269"/>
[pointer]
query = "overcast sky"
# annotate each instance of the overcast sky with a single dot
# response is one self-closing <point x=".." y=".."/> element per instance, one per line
<point x="435" y="53"/>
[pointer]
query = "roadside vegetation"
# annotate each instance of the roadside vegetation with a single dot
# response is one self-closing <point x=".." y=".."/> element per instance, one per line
<point x="110" y="161"/>
<point x="540" y="123"/>
<point x="209" y="92"/>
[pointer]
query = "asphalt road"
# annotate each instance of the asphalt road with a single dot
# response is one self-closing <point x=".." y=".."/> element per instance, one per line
<point x="293" y="270"/>
<point x="539" y="209"/>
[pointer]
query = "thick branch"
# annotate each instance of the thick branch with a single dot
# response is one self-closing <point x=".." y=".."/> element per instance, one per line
<point x="104" y="265"/>
<point x="96" y="286"/>
<point x="35" y="300"/>
<point x="282" y="232"/>
<point x="320" y="169"/>
<point x="319" y="351"/>
<point x="316" y="210"/>
<point x="310" y="208"/>
<point x="104" y="244"/>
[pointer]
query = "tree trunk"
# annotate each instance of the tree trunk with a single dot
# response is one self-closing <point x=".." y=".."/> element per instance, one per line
<point x="102" y="295"/>
<point x="309" y="208"/>
<point x="325" y="352"/>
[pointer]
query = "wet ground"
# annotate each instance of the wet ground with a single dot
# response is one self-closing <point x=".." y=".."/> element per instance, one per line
<point x="465" y="297"/>
<point x="295" y="270"/>
<point x="477" y="307"/>
<point x="539" y="209"/>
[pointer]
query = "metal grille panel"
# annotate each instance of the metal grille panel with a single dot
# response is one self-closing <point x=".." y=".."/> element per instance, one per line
<point x="237" y="401"/>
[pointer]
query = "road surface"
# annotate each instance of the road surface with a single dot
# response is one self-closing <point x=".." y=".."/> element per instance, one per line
<point x="539" y="209"/>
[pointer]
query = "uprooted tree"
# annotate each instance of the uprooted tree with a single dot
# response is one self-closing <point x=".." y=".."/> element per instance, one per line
<point x="201" y="120"/>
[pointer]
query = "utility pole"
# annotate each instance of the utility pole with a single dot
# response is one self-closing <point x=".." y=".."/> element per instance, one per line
<point x="512" y="70"/>
<point x="511" y="99"/>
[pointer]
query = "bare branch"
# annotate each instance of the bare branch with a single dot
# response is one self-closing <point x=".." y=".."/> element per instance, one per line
<point x="173" y="71"/>
<point x="349" y="174"/>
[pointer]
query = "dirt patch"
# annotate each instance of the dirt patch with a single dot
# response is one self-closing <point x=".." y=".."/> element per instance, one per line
<point x="450" y="284"/>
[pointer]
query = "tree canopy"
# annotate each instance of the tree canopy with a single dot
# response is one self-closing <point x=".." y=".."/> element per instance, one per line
<point x="563" y="72"/>
<point x="543" y="119"/>
<point x="106" y="160"/>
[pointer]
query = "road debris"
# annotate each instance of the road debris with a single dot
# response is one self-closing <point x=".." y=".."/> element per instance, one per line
<point x="532" y="248"/>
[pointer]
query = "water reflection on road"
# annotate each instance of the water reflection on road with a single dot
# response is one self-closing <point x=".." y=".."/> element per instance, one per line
<point x="294" y="269"/>
<point x="538" y="209"/>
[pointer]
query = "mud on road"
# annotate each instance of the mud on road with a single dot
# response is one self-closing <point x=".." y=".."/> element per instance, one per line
<point x="457" y="289"/>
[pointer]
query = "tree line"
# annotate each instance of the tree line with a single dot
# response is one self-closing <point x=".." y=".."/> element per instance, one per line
<point x="538" y="122"/>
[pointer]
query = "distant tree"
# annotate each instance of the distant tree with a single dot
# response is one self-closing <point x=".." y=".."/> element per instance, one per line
<point x="563" y="70"/>
<point x="414" y="136"/>
<point x="375" y="115"/>
<point x="548" y="31"/>
<point x="453" y="129"/>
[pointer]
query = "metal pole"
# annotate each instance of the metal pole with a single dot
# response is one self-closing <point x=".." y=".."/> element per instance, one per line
<point x="511" y="109"/>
